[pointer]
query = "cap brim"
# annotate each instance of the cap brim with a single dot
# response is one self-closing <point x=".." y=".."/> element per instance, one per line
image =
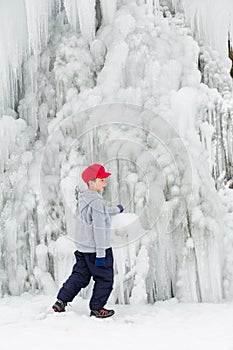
<point x="104" y="175"/>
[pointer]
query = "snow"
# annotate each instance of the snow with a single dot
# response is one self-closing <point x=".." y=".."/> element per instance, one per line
<point x="164" y="325"/>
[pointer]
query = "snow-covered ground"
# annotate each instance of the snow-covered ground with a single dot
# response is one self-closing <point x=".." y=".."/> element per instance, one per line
<point x="28" y="322"/>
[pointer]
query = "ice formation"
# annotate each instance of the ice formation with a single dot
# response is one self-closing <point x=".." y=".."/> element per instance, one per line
<point x="210" y="21"/>
<point x="24" y="31"/>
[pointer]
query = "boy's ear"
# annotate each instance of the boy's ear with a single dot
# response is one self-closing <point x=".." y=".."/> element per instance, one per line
<point x="88" y="183"/>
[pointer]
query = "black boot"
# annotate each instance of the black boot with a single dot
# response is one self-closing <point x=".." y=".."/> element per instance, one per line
<point x="102" y="313"/>
<point x="59" y="306"/>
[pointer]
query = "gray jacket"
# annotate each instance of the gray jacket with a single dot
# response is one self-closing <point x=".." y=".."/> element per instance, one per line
<point x="92" y="232"/>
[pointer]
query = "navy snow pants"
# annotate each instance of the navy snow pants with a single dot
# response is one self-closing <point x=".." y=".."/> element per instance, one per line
<point x="83" y="270"/>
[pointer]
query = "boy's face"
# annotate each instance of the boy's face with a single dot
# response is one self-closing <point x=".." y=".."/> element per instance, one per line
<point x="97" y="185"/>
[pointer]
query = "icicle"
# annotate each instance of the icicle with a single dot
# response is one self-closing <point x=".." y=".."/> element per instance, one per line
<point x="72" y="13"/>
<point x="38" y="15"/>
<point x="81" y="13"/>
<point x="24" y="30"/>
<point x="156" y="10"/>
<point x="139" y="293"/>
<point x="153" y="8"/>
<point x="86" y="15"/>
<point x="150" y="7"/>
<point x="108" y="10"/>
<point x="13" y="47"/>
<point x="10" y="130"/>
<point x="210" y="21"/>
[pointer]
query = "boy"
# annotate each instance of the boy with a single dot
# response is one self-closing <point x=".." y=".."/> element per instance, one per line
<point x="94" y="253"/>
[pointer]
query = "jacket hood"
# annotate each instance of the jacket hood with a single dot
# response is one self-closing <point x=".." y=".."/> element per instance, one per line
<point x="86" y="197"/>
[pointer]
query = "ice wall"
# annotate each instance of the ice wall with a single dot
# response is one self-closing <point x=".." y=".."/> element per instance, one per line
<point x="155" y="66"/>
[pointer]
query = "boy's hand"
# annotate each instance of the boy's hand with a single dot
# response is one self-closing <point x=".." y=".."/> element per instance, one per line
<point x="99" y="261"/>
<point x="121" y="208"/>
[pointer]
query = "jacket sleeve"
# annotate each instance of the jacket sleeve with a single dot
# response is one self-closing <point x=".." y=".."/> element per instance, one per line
<point x="113" y="210"/>
<point x="99" y="228"/>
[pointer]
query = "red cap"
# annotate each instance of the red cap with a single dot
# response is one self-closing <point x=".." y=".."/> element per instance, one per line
<point x="94" y="171"/>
